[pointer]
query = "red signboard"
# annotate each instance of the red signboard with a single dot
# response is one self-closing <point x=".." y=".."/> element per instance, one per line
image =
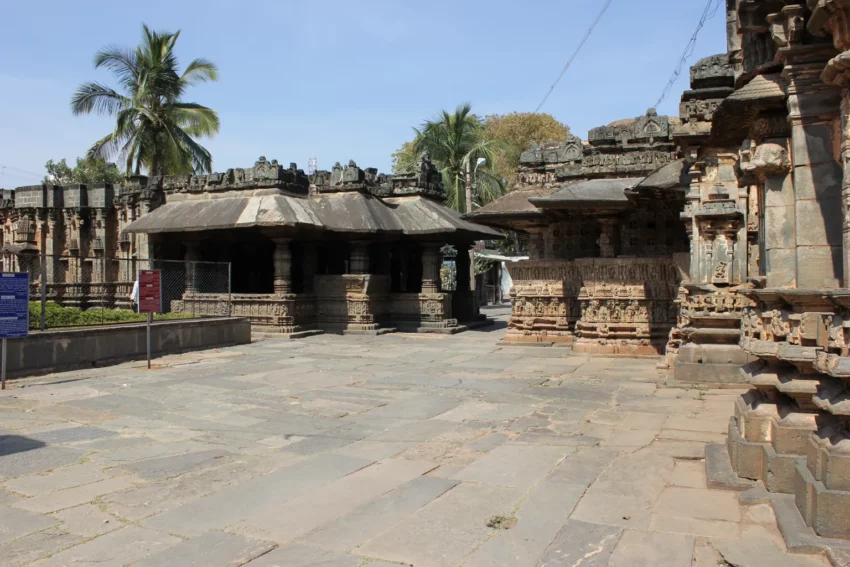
<point x="150" y="291"/>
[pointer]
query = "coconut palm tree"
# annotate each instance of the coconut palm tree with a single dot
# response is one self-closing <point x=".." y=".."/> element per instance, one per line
<point x="454" y="141"/>
<point x="154" y="127"/>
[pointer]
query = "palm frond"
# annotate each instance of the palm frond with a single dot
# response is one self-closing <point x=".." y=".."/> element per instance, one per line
<point x="199" y="70"/>
<point x="96" y="97"/>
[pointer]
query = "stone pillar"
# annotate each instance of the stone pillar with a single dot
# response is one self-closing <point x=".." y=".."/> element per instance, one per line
<point x="608" y="237"/>
<point x="359" y="259"/>
<point x="812" y="108"/>
<point x="309" y="266"/>
<point x="191" y="257"/>
<point x="535" y="246"/>
<point x="462" y="268"/>
<point x="282" y="266"/>
<point x="430" y="268"/>
<point x="98" y="246"/>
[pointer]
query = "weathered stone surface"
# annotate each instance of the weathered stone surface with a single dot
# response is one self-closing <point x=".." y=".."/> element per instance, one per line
<point x="114" y="549"/>
<point x="88" y="521"/>
<point x="72" y="434"/>
<point x="698" y="503"/>
<point x="584" y="466"/>
<point x="519" y="466"/>
<point x="212" y="549"/>
<point x="25" y="550"/>
<point x="70" y="497"/>
<point x="539" y="518"/>
<point x="15" y="523"/>
<point x="649" y="549"/>
<point x="166" y="467"/>
<point x="58" y="479"/>
<point x="580" y="543"/>
<point x="286" y="521"/>
<point x="36" y="459"/>
<point x="239" y="502"/>
<point x="457" y="520"/>
<point x="299" y="555"/>
<point x="382" y="513"/>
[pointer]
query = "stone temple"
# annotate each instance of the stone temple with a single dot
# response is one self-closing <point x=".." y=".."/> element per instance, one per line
<point x="348" y="250"/>
<point x="717" y="240"/>
<point x="720" y="238"/>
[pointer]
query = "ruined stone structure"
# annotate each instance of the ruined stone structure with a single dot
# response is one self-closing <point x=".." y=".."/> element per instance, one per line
<point x="603" y="241"/>
<point x="347" y="250"/>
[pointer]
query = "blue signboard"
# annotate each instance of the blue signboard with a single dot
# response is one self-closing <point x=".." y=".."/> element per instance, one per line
<point x="14" y="305"/>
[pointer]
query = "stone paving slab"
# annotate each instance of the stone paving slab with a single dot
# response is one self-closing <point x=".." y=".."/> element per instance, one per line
<point x="15" y="523"/>
<point x="382" y="513"/>
<point x="240" y="502"/>
<point x="446" y="530"/>
<point x="116" y="549"/>
<point x="385" y="451"/>
<point x="212" y="549"/>
<point x="581" y="543"/>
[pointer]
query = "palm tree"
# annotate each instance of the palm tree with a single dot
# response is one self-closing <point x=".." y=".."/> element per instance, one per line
<point x="455" y="143"/>
<point x="154" y="128"/>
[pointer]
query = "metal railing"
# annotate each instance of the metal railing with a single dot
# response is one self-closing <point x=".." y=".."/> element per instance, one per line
<point x="73" y="291"/>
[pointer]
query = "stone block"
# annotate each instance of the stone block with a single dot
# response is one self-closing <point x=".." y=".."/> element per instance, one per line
<point x="819" y="267"/>
<point x="781" y="267"/>
<point x="820" y="182"/>
<point x="831" y="518"/>
<point x="781" y="473"/>
<point x="780" y="228"/>
<point x="819" y="222"/>
<point x="167" y="467"/>
<point x="520" y="466"/>
<point x="812" y="144"/>
<point x="779" y="191"/>
<point x="121" y="547"/>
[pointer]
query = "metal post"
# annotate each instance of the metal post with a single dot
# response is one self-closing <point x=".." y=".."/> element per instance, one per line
<point x="3" y="367"/>
<point x="229" y="291"/>
<point x="150" y="316"/>
<point x="43" y="324"/>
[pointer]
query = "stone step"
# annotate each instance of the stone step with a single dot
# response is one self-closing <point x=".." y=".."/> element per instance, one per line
<point x="719" y="472"/>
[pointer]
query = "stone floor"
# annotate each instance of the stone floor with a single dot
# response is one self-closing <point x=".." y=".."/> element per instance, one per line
<point x="380" y="451"/>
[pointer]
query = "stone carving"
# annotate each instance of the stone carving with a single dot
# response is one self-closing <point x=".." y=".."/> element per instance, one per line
<point x="768" y="159"/>
<point x="714" y="67"/>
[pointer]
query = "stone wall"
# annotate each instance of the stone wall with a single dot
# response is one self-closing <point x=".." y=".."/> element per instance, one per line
<point x="70" y="349"/>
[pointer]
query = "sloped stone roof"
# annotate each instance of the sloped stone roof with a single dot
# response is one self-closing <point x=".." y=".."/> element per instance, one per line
<point x="352" y="212"/>
<point x="595" y="193"/>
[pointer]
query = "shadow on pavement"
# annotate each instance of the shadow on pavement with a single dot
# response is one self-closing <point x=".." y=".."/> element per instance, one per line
<point x="11" y="444"/>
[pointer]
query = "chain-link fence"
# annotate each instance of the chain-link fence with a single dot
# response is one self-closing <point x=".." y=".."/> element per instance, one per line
<point x="71" y="291"/>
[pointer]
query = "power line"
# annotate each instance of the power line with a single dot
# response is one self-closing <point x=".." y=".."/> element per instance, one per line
<point x="709" y="12"/>
<point x="3" y="168"/>
<point x="575" y="54"/>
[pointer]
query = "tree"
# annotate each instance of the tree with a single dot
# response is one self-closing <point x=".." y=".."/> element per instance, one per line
<point x="405" y="158"/>
<point x="518" y="131"/>
<point x="88" y="171"/>
<point x="454" y="142"/>
<point x="154" y="127"/>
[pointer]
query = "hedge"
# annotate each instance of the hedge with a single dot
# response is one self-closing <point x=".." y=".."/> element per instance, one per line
<point x="58" y="316"/>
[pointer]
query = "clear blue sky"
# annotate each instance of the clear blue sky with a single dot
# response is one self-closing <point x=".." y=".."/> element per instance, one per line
<point x="340" y="80"/>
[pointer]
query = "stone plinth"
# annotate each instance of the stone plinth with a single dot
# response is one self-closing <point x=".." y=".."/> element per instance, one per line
<point x="620" y="306"/>
<point x="708" y="335"/>
<point x="792" y="431"/>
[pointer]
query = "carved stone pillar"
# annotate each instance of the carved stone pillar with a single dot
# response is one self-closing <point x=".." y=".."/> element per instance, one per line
<point x="192" y="256"/>
<point x="462" y="268"/>
<point x="282" y="266"/>
<point x="430" y="268"/>
<point x="608" y="237"/>
<point x="812" y="108"/>
<point x="359" y="260"/>
<point x="98" y="245"/>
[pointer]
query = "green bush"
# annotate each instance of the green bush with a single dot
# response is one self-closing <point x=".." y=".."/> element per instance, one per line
<point x="58" y="316"/>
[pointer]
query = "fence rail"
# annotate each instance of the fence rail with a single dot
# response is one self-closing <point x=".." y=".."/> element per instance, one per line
<point x="69" y="291"/>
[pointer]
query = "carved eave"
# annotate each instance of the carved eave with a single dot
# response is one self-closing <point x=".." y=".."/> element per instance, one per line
<point x="831" y="17"/>
<point x="736" y="113"/>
